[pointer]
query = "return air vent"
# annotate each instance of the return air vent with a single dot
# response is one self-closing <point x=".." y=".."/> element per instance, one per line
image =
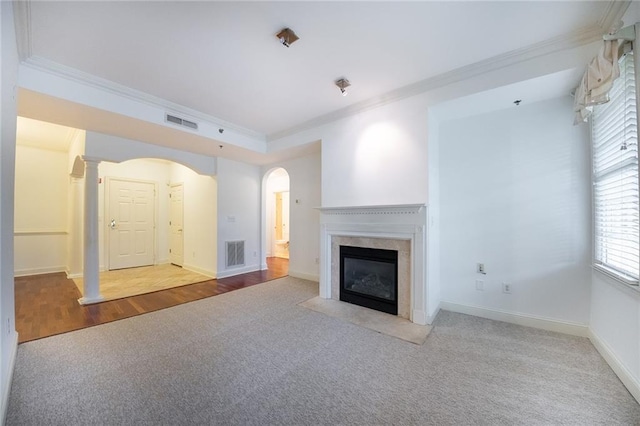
<point x="235" y="253"/>
<point x="181" y="121"/>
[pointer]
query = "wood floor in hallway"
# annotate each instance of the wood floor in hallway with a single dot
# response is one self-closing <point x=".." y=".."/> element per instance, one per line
<point x="48" y="304"/>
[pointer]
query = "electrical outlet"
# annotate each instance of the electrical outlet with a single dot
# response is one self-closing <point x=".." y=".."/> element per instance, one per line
<point x="479" y="285"/>
<point x="480" y="268"/>
<point x="506" y="288"/>
<point x="317" y="260"/>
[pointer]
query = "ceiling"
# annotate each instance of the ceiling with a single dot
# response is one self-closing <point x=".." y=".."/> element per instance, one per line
<point x="223" y="59"/>
<point x="527" y="92"/>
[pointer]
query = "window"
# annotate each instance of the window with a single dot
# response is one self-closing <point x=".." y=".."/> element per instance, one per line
<point x="615" y="178"/>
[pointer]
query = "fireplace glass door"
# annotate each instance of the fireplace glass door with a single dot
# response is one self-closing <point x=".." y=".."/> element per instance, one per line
<point x="368" y="277"/>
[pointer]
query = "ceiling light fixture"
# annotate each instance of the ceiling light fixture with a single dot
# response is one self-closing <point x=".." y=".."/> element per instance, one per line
<point x="343" y="83"/>
<point x="287" y="37"/>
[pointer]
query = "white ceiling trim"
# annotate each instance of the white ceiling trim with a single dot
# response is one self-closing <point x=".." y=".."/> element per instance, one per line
<point x="613" y="14"/>
<point x="22" y="22"/>
<point x="81" y="77"/>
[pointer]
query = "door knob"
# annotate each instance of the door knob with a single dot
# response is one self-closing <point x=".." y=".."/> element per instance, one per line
<point x="112" y="225"/>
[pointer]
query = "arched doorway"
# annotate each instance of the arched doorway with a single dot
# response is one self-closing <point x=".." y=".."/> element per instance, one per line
<point x="277" y="219"/>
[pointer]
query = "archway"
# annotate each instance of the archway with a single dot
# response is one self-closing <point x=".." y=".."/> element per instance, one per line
<point x="276" y="223"/>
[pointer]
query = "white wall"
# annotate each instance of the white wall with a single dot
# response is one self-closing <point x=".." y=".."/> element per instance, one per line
<point x="304" y="237"/>
<point x="615" y="327"/>
<point x="434" y="289"/>
<point x="239" y="190"/>
<point x="515" y="195"/>
<point x="200" y="221"/>
<point x="8" y="117"/>
<point x="41" y="200"/>
<point x="378" y="157"/>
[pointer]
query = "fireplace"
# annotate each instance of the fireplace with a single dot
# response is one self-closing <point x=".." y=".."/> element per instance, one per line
<point x="394" y="227"/>
<point x="369" y="278"/>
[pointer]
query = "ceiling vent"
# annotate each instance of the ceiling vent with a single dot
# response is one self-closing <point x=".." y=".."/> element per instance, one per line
<point x="181" y="121"/>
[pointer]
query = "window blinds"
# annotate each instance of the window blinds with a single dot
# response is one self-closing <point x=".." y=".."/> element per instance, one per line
<point x="615" y="175"/>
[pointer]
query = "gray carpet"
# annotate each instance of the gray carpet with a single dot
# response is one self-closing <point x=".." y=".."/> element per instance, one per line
<point x="253" y="356"/>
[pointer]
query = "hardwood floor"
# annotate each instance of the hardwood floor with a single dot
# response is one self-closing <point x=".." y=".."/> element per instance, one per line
<point x="48" y="304"/>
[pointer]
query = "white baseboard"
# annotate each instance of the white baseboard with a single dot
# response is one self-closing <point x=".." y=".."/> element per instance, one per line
<point x="72" y="276"/>
<point x="517" y="318"/>
<point x="304" y="276"/>
<point x="38" y="271"/>
<point x="6" y="386"/>
<point x="625" y="376"/>
<point x="238" y="271"/>
<point x="206" y="272"/>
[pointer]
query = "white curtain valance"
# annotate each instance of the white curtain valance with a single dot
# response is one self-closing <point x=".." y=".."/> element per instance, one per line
<point x="597" y="81"/>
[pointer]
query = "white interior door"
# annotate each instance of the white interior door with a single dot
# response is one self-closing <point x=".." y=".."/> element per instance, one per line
<point x="176" y="215"/>
<point x="131" y="223"/>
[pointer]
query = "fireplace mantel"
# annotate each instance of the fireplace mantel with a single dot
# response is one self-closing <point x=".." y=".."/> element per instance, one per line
<point x="374" y="210"/>
<point x="396" y="222"/>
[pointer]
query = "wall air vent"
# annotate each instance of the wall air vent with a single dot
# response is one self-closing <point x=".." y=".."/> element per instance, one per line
<point x="181" y="121"/>
<point x="235" y="253"/>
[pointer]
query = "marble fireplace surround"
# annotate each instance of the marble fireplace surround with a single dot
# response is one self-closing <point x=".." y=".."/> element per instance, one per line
<point x="394" y="227"/>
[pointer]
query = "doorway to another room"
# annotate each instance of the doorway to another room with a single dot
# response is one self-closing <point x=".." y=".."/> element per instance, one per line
<point x="277" y="208"/>
<point x="149" y="217"/>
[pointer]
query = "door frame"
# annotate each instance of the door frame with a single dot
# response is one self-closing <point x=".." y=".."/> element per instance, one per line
<point x="107" y="208"/>
<point x="171" y="186"/>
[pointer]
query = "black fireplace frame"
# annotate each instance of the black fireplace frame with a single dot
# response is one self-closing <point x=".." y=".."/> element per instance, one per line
<point x="366" y="300"/>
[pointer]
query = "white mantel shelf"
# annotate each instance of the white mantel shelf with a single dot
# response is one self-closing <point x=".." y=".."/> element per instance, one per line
<point x="387" y="209"/>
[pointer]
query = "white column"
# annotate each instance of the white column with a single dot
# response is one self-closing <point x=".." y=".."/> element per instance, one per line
<point x="91" y="255"/>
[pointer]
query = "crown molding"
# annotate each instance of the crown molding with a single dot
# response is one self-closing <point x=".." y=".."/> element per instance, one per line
<point x="45" y="65"/>
<point x="22" y="22"/>
<point x="613" y="14"/>
<point x="572" y="40"/>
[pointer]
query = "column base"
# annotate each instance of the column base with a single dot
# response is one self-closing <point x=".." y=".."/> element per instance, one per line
<point x="91" y="300"/>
